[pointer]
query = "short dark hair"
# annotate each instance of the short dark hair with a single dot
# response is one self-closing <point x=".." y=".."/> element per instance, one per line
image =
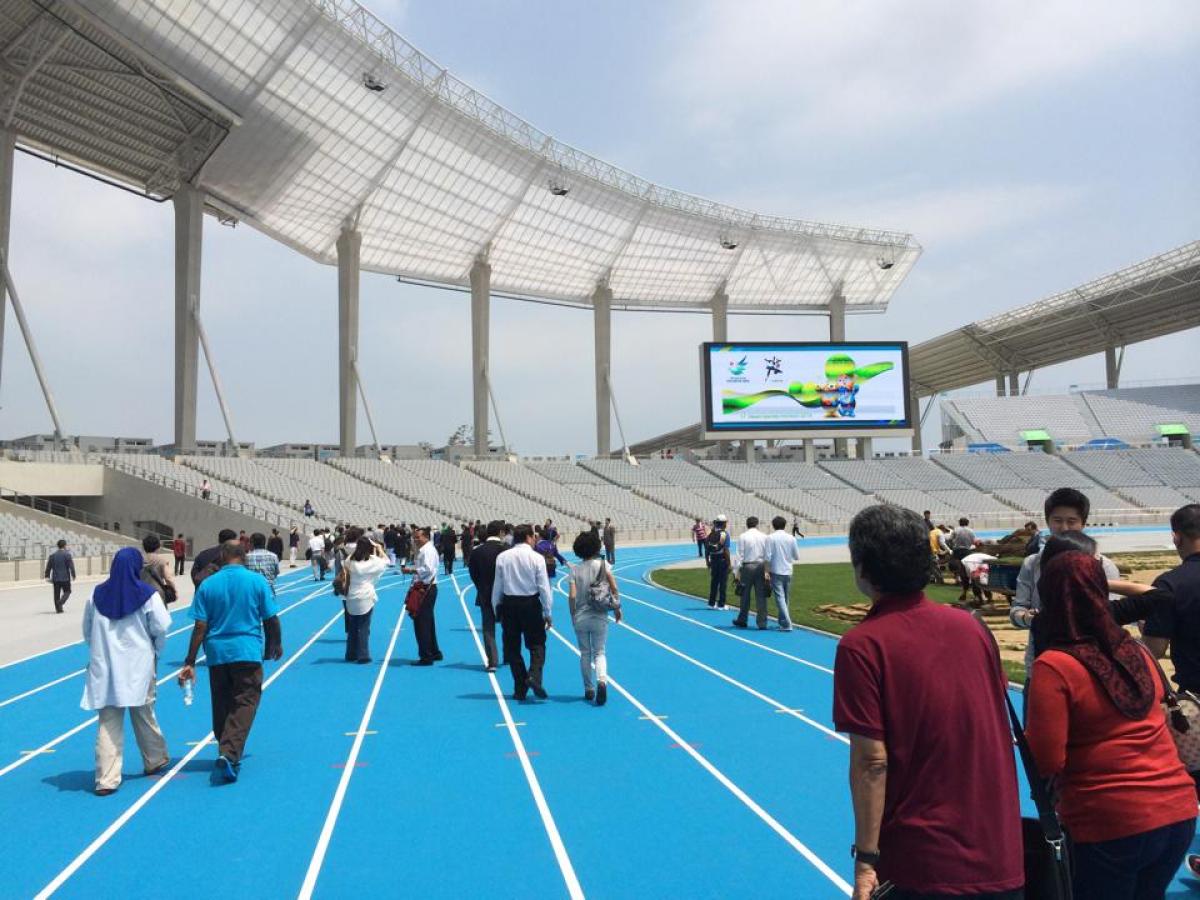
<point x="273" y="531"/>
<point x="1186" y="521"/>
<point x="364" y="548"/>
<point x="495" y="528"/>
<point x="1065" y="543"/>
<point x="586" y="545"/>
<point x="1070" y="498"/>
<point x="61" y="544"/>
<point x="927" y="513"/>
<point x="522" y="533"/>
<point x="258" y="540"/>
<point x="422" y="530"/>
<point x="231" y="551"/>
<point x="964" y="521"/>
<point x="151" y="543"/>
<point x="890" y="545"/>
<point x="226" y="534"/>
<point x="778" y="523"/>
<point x="751" y="521"/>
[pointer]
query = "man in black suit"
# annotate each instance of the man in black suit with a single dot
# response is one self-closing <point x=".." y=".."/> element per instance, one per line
<point x="208" y="561"/>
<point x="482" y="566"/>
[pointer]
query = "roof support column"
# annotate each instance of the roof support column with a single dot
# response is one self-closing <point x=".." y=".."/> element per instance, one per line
<point x="1014" y="384"/>
<point x="602" y="314"/>
<point x="8" y="139"/>
<point x="999" y="385"/>
<point x="914" y="404"/>
<point x="864" y="448"/>
<point x="837" y="333"/>
<point x="720" y="315"/>
<point x="1112" y="368"/>
<point x="189" y="233"/>
<point x="349" y="252"/>
<point x="481" y="298"/>
<point x="748" y="451"/>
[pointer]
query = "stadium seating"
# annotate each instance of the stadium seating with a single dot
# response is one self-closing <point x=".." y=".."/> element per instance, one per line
<point x="1136" y="413"/>
<point x="1002" y="419"/>
<point x="28" y="538"/>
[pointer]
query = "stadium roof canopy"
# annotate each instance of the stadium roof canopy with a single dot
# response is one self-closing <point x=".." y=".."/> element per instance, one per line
<point x="1156" y="297"/>
<point x="303" y="117"/>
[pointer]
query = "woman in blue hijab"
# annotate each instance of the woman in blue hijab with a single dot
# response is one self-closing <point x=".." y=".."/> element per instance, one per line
<point x="125" y="625"/>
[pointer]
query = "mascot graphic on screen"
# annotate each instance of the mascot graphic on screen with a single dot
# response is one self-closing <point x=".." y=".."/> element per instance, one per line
<point x="837" y="395"/>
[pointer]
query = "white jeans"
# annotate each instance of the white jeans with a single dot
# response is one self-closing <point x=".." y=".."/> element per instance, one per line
<point x="591" y="632"/>
<point x="110" y="741"/>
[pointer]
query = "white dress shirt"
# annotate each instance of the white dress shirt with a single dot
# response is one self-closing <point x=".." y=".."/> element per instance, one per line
<point x="752" y="546"/>
<point x="361" y="596"/>
<point x="316" y="545"/>
<point x="521" y="572"/>
<point x="122" y="654"/>
<point x="427" y="564"/>
<point x="781" y="553"/>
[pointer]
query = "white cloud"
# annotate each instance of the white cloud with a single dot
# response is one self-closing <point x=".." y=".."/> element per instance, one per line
<point x="833" y="67"/>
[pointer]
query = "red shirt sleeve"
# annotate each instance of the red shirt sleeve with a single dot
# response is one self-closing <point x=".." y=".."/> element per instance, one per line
<point x="857" y="706"/>
<point x="1048" y="700"/>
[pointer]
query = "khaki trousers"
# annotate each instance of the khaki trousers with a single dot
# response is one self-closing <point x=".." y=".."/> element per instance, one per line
<point x="110" y="741"/>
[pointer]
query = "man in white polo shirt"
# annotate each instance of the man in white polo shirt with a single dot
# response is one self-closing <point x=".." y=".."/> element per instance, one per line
<point x="752" y="548"/>
<point x="523" y="603"/>
<point x="781" y="556"/>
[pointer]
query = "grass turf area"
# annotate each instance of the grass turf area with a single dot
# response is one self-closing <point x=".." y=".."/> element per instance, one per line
<point x="813" y="585"/>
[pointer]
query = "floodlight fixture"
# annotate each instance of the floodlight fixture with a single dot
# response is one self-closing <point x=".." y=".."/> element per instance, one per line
<point x="559" y="190"/>
<point x="728" y="243"/>
<point x="885" y="263"/>
<point x="371" y="83"/>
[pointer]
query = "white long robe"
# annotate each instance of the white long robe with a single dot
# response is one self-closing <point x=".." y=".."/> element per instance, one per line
<point x="123" y="653"/>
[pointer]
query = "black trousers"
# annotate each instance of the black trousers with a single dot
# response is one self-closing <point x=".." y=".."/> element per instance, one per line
<point x="235" y="689"/>
<point x="521" y="619"/>
<point x="1018" y="894"/>
<point x="754" y="581"/>
<point x="179" y="565"/>
<point x="487" y="615"/>
<point x="425" y="628"/>
<point x="358" y="637"/>
<point x="718" y="583"/>
<point x="62" y="590"/>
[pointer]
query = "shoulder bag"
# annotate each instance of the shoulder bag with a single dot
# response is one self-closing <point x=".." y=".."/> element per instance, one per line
<point x="600" y="595"/>
<point x="1182" y="709"/>
<point x="341" y="582"/>
<point x="414" y="598"/>
<point x="1047" y="853"/>
<point x="168" y="591"/>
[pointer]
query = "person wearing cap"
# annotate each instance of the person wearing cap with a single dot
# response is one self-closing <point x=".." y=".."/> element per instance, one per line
<point x="717" y="559"/>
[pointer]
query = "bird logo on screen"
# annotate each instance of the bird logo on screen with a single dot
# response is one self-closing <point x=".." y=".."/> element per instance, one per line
<point x="837" y="395"/>
<point x="738" y="368"/>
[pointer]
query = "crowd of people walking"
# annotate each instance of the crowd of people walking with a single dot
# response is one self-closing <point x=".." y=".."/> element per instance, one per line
<point x="918" y="686"/>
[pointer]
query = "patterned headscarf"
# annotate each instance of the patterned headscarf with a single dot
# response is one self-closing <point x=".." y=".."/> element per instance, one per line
<point x="1076" y="619"/>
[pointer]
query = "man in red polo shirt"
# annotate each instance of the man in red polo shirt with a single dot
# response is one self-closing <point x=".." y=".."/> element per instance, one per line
<point x="919" y="689"/>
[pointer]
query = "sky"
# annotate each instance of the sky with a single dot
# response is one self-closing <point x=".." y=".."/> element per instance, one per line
<point x="1028" y="146"/>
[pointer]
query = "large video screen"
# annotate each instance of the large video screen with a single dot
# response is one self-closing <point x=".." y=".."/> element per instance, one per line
<point x="804" y="388"/>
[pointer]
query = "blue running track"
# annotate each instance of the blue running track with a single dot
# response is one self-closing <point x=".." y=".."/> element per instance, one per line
<point x="712" y="772"/>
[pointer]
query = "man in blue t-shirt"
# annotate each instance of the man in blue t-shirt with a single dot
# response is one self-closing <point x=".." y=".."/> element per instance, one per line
<point x="232" y="609"/>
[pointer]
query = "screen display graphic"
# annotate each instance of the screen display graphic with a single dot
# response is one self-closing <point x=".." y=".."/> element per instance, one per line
<point x="805" y="387"/>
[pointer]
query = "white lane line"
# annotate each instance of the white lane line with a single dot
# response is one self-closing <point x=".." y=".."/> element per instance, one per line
<point x="339" y="795"/>
<point x="42" y="687"/>
<point x="119" y="823"/>
<point x="724" y="632"/>
<point x="779" y="707"/>
<point x="78" y="728"/>
<point x="771" y="822"/>
<point x="574" y="890"/>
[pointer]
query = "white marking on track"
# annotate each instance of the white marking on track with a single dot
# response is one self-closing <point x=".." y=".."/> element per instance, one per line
<point x="105" y="836"/>
<point x="574" y="889"/>
<point x="339" y="795"/>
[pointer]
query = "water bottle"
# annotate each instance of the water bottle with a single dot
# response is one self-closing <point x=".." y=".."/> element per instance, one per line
<point x="187" y="692"/>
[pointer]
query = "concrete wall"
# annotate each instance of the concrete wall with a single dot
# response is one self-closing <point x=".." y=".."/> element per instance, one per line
<point x="52" y="479"/>
<point x="128" y="499"/>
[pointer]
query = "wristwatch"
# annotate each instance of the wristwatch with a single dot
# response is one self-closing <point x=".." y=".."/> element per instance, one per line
<point x="866" y="857"/>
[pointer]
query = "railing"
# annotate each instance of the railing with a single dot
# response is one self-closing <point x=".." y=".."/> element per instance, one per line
<point x="40" y="550"/>
<point x="63" y="511"/>
<point x="191" y="490"/>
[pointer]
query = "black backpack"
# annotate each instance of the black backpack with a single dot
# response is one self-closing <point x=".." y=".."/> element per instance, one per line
<point x="715" y="543"/>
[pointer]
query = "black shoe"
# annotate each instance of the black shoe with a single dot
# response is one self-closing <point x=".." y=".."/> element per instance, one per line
<point x="538" y="691"/>
<point x="363" y="662"/>
<point x="589" y="694"/>
<point x="437" y="657"/>
<point x="738" y="623"/>
<point x="601" y="693"/>
<point x="520" y="695"/>
<point x="423" y="662"/>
